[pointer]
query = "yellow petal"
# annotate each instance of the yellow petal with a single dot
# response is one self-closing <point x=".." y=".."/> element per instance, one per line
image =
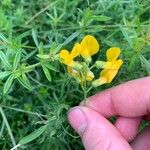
<point x="113" y="53"/>
<point x="108" y="74"/>
<point x="115" y="64"/>
<point x="65" y="56"/>
<point x="89" y="46"/>
<point x="76" y="50"/>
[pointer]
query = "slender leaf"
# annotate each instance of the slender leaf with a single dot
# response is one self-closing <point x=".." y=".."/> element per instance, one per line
<point x="125" y="34"/>
<point x="47" y="73"/>
<point x="71" y="37"/>
<point x="8" y="84"/>
<point x="23" y="80"/>
<point x="133" y="60"/>
<point x="40" y="48"/>
<point x="4" y="74"/>
<point x="35" y="38"/>
<point x="29" y="55"/>
<point x="4" y="59"/>
<point x="17" y="59"/>
<point x="51" y="67"/>
<point x="32" y="136"/>
<point x="2" y="37"/>
<point x="145" y="63"/>
<point x="101" y="18"/>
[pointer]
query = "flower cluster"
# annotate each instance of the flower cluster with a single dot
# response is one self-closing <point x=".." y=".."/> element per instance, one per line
<point x="81" y="70"/>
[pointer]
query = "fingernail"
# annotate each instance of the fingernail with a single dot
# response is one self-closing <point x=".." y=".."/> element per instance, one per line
<point x="77" y="119"/>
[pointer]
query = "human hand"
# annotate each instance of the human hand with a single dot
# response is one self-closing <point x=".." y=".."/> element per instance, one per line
<point x="130" y="102"/>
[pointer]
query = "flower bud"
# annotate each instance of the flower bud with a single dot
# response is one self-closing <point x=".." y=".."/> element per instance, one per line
<point x="88" y="60"/>
<point x="89" y="76"/>
<point x="100" y="64"/>
<point x="77" y="66"/>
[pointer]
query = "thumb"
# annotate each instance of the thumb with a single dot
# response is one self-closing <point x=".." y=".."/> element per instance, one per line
<point x="97" y="133"/>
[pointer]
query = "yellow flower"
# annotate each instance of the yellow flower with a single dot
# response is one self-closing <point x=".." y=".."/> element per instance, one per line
<point x="68" y="58"/>
<point x="89" y="46"/>
<point x="111" y="67"/>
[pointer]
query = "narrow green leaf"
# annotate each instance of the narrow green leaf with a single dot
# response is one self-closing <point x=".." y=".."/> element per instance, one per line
<point x="133" y="60"/>
<point x="2" y="37"/>
<point x="40" y="48"/>
<point x="32" y="136"/>
<point x="29" y="55"/>
<point x="53" y="48"/>
<point x="51" y="67"/>
<point x="125" y="34"/>
<point x="4" y="74"/>
<point x="4" y="60"/>
<point x="71" y="37"/>
<point x="145" y="63"/>
<point x="101" y="18"/>
<point x="35" y="38"/>
<point x="17" y="59"/>
<point x="47" y="73"/>
<point x="8" y="84"/>
<point x="23" y="80"/>
<point x="43" y="56"/>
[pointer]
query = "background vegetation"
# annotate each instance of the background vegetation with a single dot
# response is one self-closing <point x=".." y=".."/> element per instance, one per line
<point x="35" y="90"/>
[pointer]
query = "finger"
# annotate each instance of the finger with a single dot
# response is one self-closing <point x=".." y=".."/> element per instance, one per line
<point x="142" y="141"/>
<point x="97" y="133"/>
<point x="131" y="99"/>
<point x="128" y="127"/>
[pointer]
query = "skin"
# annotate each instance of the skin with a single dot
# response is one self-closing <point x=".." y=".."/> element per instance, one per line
<point x="130" y="102"/>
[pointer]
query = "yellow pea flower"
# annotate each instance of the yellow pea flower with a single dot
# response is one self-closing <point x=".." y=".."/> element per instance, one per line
<point x="68" y="58"/>
<point x="111" y="67"/>
<point x="89" y="46"/>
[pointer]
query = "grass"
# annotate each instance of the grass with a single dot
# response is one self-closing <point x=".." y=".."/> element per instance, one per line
<point x="36" y="91"/>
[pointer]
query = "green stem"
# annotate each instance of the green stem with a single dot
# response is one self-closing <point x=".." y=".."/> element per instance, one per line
<point x="26" y="46"/>
<point x="84" y="92"/>
<point x="8" y="127"/>
<point x="89" y="89"/>
<point x="23" y="111"/>
<point x="92" y="66"/>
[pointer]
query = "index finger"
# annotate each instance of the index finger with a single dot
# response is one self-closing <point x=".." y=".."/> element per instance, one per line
<point x="131" y="99"/>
